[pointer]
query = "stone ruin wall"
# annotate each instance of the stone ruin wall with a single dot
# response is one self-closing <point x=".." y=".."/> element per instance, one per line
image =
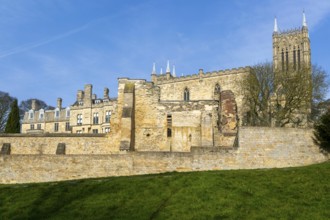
<point x="257" y="148"/>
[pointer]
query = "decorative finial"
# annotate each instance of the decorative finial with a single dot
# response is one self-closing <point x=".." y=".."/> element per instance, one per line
<point x="173" y="74"/>
<point x="168" y="70"/>
<point x="304" y="19"/>
<point x="154" y="69"/>
<point x="161" y="71"/>
<point x="275" y="25"/>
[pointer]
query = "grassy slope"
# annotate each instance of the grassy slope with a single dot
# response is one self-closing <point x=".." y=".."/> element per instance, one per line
<point x="292" y="193"/>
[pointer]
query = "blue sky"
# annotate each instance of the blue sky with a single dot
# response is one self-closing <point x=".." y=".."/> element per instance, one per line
<point x="52" y="48"/>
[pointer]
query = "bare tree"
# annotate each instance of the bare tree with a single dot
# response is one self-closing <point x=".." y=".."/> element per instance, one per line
<point x="281" y="98"/>
<point x="5" y="102"/>
<point x="320" y="88"/>
<point x="257" y="89"/>
<point x="291" y="101"/>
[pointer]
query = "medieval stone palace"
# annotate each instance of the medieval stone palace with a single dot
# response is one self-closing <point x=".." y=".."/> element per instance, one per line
<point x="170" y="123"/>
<point x="201" y="109"/>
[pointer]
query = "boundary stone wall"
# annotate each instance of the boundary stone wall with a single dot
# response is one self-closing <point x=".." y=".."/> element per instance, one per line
<point x="257" y="148"/>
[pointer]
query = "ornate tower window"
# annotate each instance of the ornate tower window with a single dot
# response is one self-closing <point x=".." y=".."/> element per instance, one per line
<point x="294" y="59"/>
<point x="298" y="57"/>
<point x="282" y="59"/>
<point x="287" y="59"/>
<point x="186" y="95"/>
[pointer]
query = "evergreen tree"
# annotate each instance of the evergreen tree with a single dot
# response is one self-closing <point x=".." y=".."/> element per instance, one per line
<point x="322" y="132"/>
<point x="13" y="122"/>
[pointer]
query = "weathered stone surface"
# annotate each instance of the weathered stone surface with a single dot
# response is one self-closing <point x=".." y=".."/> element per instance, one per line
<point x="60" y="148"/>
<point x="5" y="149"/>
<point x="258" y="148"/>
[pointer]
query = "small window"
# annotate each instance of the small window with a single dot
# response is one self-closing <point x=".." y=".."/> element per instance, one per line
<point x="96" y="118"/>
<point x="67" y="126"/>
<point x="79" y="119"/>
<point x="186" y="95"/>
<point x="169" y="125"/>
<point x="217" y="89"/>
<point x="107" y="130"/>
<point x="56" y="127"/>
<point x="79" y="131"/>
<point x="107" y="116"/>
<point x="169" y="132"/>
<point x="95" y="131"/>
<point x="32" y="127"/>
<point x="41" y="114"/>
<point x="57" y="113"/>
<point x="39" y="126"/>
<point x="31" y="114"/>
<point x="67" y="112"/>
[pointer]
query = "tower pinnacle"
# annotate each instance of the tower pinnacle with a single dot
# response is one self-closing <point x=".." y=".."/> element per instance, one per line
<point x="173" y="74"/>
<point x="304" y="20"/>
<point x="154" y="69"/>
<point x="168" y="70"/>
<point x="275" y="25"/>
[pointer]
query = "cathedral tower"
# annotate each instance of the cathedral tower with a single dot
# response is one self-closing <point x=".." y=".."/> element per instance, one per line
<point x="291" y="48"/>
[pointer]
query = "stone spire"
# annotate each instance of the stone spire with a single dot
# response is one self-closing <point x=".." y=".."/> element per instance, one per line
<point x="275" y="25"/>
<point x="168" y="70"/>
<point x="304" y="23"/>
<point x="154" y="69"/>
<point x="173" y="74"/>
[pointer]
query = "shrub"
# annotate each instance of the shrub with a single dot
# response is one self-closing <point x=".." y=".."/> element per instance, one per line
<point x="322" y="132"/>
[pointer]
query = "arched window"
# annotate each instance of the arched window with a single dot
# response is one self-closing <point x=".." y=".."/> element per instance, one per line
<point x="287" y="59"/>
<point x="186" y="95"/>
<point x="282" y="59"/>
<point x="217" y="89"/>
<point x="31" y="114"/>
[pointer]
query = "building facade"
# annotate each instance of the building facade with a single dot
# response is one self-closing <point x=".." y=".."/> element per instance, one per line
<point x="202" y="109"/>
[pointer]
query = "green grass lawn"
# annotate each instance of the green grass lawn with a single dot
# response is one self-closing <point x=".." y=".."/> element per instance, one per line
<point x="291" y="193"/>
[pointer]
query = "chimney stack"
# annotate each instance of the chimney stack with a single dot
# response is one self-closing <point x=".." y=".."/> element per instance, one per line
<point x="34" y="105"/>
<point x="59" y="103"/>
<point x="106" y="93"/>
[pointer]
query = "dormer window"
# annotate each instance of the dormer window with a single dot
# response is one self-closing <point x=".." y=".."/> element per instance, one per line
<point x="41" y="114"/>
<point x="31" y="114"/>
<point x="57" y="113"/>
<point x="67" y="112"/>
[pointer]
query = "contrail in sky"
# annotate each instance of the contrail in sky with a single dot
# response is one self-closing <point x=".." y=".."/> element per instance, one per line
<point x="29" y="46"/>
<point x="32" y="45"/>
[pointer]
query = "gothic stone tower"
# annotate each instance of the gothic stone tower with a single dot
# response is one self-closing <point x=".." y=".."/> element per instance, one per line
<point x="292" y="55"/>
<point x="291" y="49"/>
